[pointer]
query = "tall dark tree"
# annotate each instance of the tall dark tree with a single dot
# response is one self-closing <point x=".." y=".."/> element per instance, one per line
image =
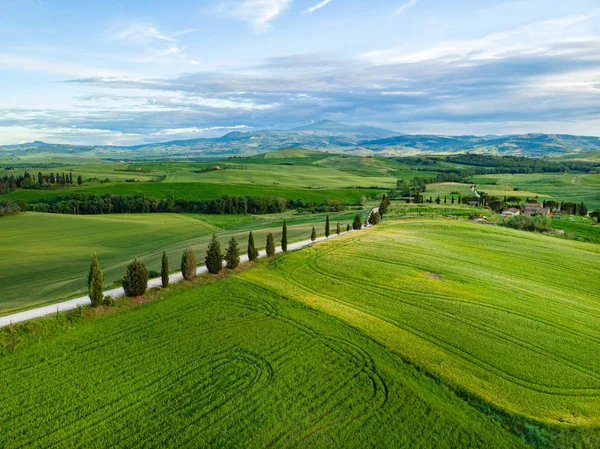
<point x="348" y="228"/>
<point x="232" y="255"/>
<point x="357" y="223"/>
<point x="313" y="234"/>
<point x="164" y="270"/>
<point x="374" y="218"/>
<point x="252" y="251"/>
<point x="95" y="283"/>
<point x="79" y="180"/>
<point x="383" y="206"/>
<point x="338" y="229"/>
<point x="284" y="237"/>
<point x="188" y="264"/>
<point x="135" y="281"/>
<point x="270" y="245"/>
<point x="40" y="178"/>
<point x="52" y="179"/>
<point x="445" y="199"/>
<point x="214" y="256"/>
<point x="327" y="230"/>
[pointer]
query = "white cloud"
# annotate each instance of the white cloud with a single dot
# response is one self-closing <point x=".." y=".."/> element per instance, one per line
<point x="196" y="130"/>
<point x="405" y="6"/>
<point x="259" y="13"/>
<point x="59" y="68"/>
<point x="140" y="33"/>
<point x="316" y="7"/>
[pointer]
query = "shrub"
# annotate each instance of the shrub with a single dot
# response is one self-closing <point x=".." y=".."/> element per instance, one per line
<point x="108" y="301"/>
<point x="135" y="281"/>
<point x="214" y="257"/>
<point x="232" y="256"/>
<point x="188" y="264"/>
<point x="338" y="229"/>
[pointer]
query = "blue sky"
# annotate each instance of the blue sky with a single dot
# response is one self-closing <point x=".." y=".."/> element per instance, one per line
<point x="130" y="72"/>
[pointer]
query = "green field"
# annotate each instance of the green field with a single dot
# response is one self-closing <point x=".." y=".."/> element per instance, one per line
<point x="567" y="187"/>
<point x="510" y="316"/>
<point x="229" y="364"/>
<point x="50" y="254"/>
<point x="311" y="349"/>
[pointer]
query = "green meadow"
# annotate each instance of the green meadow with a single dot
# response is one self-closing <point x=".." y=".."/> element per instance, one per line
<point x="50" y="253"/>
<point x="428" y="333"/>
<point x="509" y="316"/>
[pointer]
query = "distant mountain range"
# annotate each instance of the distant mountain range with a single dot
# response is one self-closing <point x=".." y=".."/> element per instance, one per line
<point x="326" y="135"/>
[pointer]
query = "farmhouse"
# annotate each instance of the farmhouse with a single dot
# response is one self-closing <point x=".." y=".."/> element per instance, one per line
<point x="535" y="209"/>
<point x="510" y="212"/>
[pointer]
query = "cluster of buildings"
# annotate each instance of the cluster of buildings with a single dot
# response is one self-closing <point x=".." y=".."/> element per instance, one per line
<point x="528" y="209"/>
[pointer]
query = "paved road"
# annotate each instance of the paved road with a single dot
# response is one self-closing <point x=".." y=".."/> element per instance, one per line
<point x="118" y="292"/>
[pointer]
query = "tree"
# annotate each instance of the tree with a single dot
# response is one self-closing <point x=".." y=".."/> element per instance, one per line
<point x="252" y="251"/>
<point x="93" y="266"/>
<point x="188" y="264"/>
<point x="270" y="245"/>
<point x="79" y="180"/>
<point x="214" y="256"/>
<point x="164" y="270"/>
<point x="438" y="200"/>
<point x="357" y="223"/>
<point x="135" y="281"/>
<point x="338" y="229"/>
<point x="383" y="206"/>
<point x="327" y="227"/>
<point x="284" y="237"/>
<point x="348" y="228"/>
<point x="374" y="218"/>
<point x="313" y="234"/>
<point x="452" y="201"/>
<point x="95" y="283"/>
<point x="596" y="215"/>
<point x="232" y="255"/>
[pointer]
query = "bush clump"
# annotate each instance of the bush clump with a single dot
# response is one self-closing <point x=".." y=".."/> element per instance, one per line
<point x="188" y="264"/>
<point x="534" y="223"/>
<point x="135" y="281"/>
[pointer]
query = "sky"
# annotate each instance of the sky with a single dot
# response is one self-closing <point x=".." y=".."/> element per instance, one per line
<point x="132" y="72"/>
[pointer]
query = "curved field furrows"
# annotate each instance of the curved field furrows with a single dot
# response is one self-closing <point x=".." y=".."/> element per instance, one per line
<point x="458" y="350"/>
<point x="496" y="332"/>
<point x="503" y="339"/>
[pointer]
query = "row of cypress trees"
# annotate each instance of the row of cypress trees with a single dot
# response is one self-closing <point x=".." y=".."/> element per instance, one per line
<point x="135" y="281"/>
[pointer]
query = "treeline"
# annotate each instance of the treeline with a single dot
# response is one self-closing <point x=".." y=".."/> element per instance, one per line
<point x="31" y="181"/>
<point x="90" y="204"/>
<point x="9" y="207"/>
<point x="135" y="281"/>
<point x="519" y="164"/>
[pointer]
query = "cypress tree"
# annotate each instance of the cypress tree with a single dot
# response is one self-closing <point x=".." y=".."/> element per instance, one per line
<point x="93" y="266"/>
<point x="188" y="264"/>
<point x="347" y="228"/>
<point x="452" y="200"/>
<point x="232" y="256"/>
<point x="270" y="245"/>
<point x="135" y="281"/>
<point x="357" y="223"/>
<point x="252" y="251"/>
<point x="445" y="199"/>
<point x="164" y="270"/>
<point x="79" y="180"/>
<point x="327" y="227"/>
<point x="338" y="229"/>
<point x="95" y="282"/>
<point x="214" y="257"/>
<point x="313" y="234"/>
<point x="284" y="237"/>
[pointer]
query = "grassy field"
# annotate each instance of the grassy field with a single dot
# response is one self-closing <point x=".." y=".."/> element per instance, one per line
<point x="229" y="364"/>
<point x="509" y="316"/>
<point x="562" y="187"/>
<point x="50" y="254"/>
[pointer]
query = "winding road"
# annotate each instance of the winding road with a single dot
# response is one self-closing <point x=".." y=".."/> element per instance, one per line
<point x="152" y="283"/>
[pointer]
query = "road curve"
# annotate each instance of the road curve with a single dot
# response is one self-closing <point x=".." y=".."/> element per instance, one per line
<point x="118" y="292"/>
